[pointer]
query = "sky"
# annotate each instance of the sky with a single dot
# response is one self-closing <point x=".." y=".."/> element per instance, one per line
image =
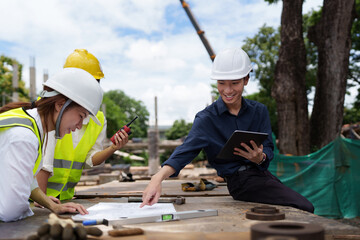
<point x="146" y="48"/>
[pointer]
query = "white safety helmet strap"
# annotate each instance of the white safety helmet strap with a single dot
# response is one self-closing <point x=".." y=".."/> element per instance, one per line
<point x="58" y="120"/>
<point x="46" y="93"/>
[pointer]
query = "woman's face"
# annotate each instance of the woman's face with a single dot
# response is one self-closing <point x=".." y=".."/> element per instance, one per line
<point x="72" y="119"/>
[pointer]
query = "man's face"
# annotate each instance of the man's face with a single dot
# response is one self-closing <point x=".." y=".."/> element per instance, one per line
<point x="231" y="90"/>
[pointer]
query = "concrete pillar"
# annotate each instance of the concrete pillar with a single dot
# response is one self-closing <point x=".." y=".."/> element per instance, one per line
<point x="153" y="138"/>
<point x="46" y="75"/>
<point x="15" y="83"/>
<point x="153" y="147"/>
<point x="156" y="114"/>
<point x="32" y="79"/>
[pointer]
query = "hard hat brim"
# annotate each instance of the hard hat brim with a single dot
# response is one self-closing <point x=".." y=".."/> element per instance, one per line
<point x="95" y="119"/>
<point x="224" y="76"/>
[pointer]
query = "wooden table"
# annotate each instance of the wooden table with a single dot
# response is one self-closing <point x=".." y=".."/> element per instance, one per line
<point x="170" y="188"/>
<point x="230" y="223"/>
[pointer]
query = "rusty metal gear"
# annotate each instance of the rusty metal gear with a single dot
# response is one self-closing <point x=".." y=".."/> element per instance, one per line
<point x="265" y="213"/>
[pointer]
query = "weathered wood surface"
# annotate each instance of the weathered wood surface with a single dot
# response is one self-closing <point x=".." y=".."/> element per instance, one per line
<point x="170" y="188"/>
<point x="231" y="222"/>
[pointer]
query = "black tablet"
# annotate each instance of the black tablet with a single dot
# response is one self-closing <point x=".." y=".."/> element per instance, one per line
<point x="238" y="137"/>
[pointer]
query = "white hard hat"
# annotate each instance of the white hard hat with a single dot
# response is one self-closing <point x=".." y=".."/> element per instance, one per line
<point x="79" y="86"/>
<point x="231" y="64"/>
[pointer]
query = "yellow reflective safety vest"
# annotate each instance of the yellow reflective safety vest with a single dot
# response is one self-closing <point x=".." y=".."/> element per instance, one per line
<point x="69" y="161"/>
<point x="18" y="117"/>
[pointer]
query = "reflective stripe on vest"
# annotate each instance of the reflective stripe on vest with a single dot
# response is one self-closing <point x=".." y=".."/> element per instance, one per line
<point x="60" y="186"/>
<point x="69" y="162"/>
<point x="60" y="163"/>
<point x="19" y="118"/>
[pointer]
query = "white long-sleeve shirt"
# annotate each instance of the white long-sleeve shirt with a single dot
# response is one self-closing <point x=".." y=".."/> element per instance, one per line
<point x="48" y="155"/>
<point x="18" y="154"/>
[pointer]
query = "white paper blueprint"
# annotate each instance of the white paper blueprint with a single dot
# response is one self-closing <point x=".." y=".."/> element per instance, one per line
<point x="114" y="211"/>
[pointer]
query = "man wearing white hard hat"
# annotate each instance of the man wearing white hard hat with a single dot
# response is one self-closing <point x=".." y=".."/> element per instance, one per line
<point x="68" y="98"/>
<point x="248" y="178"/>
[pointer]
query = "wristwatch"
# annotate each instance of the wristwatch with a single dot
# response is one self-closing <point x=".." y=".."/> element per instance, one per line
<point x="263" y="160"/>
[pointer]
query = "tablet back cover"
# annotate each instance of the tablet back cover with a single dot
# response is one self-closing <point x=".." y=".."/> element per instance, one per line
<point x="238" y="137"/>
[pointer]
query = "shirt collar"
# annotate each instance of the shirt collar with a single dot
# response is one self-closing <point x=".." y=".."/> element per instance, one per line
<point x="223" y="108"/>
<point x="34" y="114"/>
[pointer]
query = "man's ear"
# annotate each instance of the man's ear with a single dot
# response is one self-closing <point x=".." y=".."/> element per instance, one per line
<point x="246" y="80"/>
<point x="59" y="104"/>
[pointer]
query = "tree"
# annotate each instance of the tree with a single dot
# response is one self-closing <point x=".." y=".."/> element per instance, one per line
<point x="332" y="36"/>
<point x="289" y="88"/>
<point x="6" y="75"/>
<point x="120" y="109"/>
<point x="178" y="130"/>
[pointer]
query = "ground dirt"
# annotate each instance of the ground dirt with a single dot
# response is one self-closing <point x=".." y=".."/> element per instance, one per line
<point x="351" y="221"/>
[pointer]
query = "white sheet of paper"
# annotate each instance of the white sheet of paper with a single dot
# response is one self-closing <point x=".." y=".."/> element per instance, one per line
<point x="114" y="211"/>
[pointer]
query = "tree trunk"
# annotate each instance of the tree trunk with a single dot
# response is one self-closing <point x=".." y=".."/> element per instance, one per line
<point x="332" y="36"/>
<point x="289" y="88"/>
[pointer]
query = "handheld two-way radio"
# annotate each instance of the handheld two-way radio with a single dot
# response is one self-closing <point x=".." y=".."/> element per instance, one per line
<point x="126" y="129"/>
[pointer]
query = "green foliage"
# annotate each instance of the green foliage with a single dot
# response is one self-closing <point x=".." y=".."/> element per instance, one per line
<point x="120" y="109"/>
<point x="178" y="130"/>
<point x="263" y="50"/>
<point x="114" y="116"/>
<point x="214" y="92"/>
<point x="271" y="106"/>
<point x="309" y="20"/>
<point x="354" y="67"/>
<point x="352" y="115"/>
<point x="165" y="155"/>
<point x="6" y="74"/>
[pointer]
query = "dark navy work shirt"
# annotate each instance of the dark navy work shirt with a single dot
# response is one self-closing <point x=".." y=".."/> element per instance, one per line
<point x="211" y="129"/>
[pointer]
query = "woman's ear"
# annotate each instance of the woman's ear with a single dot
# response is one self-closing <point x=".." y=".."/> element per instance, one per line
<point x="59" y="104"/>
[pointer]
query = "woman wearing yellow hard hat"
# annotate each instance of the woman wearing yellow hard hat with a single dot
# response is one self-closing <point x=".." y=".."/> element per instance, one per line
<point x="81" y="58"/>
<point x="68" y="98"/>
<point x="65" y="159"/>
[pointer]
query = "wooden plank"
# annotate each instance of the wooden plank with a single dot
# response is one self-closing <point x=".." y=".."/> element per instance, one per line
<point x="170" y="188"/>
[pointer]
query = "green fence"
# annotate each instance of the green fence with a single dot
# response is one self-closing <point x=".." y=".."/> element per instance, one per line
<point x="329" y="178"/>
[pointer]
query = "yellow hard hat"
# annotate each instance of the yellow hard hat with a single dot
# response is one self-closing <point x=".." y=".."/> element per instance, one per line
<point x="81" y="58"/>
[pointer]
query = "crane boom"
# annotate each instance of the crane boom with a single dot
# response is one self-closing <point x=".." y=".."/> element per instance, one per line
<point x="200" y="32"/>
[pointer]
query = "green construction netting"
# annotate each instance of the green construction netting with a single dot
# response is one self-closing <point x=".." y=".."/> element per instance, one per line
<point x="329" y="178"/>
